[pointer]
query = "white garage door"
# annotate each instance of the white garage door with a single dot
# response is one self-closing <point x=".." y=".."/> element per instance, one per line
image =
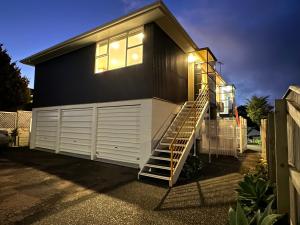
<point x="76" y="131"/>
<point x="46" y="129"/>
<point x="118" y="133"/>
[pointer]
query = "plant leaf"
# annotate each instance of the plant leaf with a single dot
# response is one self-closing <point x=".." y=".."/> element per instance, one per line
<point x="270" y="219"/>
<point x="232" y="216"/>
<point x="241" y="218"/>
<point x="267" y="212"/>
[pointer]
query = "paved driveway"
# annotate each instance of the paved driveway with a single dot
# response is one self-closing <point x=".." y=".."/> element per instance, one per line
<point x="44" y="188"/>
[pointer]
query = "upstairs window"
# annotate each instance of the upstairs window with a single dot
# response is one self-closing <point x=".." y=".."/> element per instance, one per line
<point x="120" y="51"/>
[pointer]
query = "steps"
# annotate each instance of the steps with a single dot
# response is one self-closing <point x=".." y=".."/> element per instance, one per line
<point x="169" y="156"/>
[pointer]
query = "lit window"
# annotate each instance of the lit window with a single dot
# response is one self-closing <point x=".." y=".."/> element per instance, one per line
<point x="101" y="57"/>
<point x="117" y="53"/>
<point x="123" y="50"/>
<point x="135" y="39"/>
<point x="135" y="55"/>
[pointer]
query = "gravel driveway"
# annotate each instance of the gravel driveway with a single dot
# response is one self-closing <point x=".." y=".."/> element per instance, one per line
<point x="44" y="188"/>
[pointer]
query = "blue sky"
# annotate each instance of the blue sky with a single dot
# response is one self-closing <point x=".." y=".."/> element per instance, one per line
<point x="258" y="41"/>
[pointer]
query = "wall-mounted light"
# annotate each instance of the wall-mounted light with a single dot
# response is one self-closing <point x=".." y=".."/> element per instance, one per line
<point x="191" y="58"/>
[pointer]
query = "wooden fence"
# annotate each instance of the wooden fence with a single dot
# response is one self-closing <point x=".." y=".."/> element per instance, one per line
<point x="20" y="120"/>
<point x="282" y="132"/>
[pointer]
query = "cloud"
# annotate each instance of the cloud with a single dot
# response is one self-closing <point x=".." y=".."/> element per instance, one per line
<point x="130" y="5"/>
<point x="258" y="43"/>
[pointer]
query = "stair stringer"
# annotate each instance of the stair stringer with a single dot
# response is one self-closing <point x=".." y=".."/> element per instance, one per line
<point x="166" y="131"/>
<point x="188" y="147"/>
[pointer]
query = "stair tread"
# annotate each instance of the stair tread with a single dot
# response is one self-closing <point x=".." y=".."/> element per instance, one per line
<point x="157" y="166"/>
<point x="162" y="158"/>
<point x="179" y="138"/>
<point x="167" y="144"/>
<point x="154" y="176"/>
<point x="167" y="151"/>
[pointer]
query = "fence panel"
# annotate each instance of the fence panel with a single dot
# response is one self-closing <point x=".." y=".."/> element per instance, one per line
<point x="20" y="120"/>
<point x="287" y="152"/>
<point x="222" y="137"/>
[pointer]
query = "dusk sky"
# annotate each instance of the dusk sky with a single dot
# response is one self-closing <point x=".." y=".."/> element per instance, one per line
<point x="258" y="41"/>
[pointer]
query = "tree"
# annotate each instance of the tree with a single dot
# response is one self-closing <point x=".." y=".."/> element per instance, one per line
<point x="258" y="108"/>
<point x="242" y="111"/>
<point x="14" y="92"/>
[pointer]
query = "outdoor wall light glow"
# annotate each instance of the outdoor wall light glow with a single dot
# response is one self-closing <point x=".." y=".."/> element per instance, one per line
<point x="191" y="58"/>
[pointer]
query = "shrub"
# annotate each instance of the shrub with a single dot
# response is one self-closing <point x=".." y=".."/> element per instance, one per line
<point x="255" y="193"/>
<point x="238" y="216"/>
<point x="192" y="167"/>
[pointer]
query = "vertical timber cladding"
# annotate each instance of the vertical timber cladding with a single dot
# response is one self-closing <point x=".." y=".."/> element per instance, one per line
<point x="46" y="129"/>
<point x="118" y="133"/>
<point x="76" y="131"/>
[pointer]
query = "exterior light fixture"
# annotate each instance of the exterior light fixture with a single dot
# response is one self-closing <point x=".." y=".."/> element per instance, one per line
<point x="191" y="58"/>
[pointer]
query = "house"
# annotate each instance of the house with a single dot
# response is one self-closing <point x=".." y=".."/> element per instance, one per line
<point x="131" y="92"/>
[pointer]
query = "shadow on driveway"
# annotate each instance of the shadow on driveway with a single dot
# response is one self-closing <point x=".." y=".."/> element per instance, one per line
<point x="44" y="188"/>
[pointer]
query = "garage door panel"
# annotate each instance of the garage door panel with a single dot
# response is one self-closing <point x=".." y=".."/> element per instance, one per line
<point x="47" y="113"/>
<point x="81" y="130"/>
<point x="47" y="119"/>
<point x="76" y="119"/>
<point x="47" y="124"/>
<point x="46" y="133"/>
<point x="76" y="124"/>
<point x="75" y="140"/>
<point x="118" y="133"/>
<point x="77" y="112"/>
<point x="76" y="130"/>
<point x="123" y="122"/>
<point x="76" y="147"/>
<point x="114" y="115"/>
<point x="52" y="129"/>
<point x="46" y="129"/>
<point x="46" y="138"/>
<point x="79" y="136"/>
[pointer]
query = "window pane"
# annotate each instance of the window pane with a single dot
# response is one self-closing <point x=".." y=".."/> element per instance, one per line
<point x="135" y="39"/>
<point x="101" y="48"/>
<point x="135" y="55"/>
<point x="117" y="53"/>
<point x="101" y="64"/>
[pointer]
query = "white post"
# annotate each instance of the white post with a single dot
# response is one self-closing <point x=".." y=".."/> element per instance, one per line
<point x="94" y="132"/>
<point x="58" y="130"/>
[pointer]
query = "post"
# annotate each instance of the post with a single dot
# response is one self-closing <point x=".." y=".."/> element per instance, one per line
<point x="271" y="148"/>
<point x="59" y="113"/>
<point x="195" y="147"/>
<point x="241" y="134"/>
<point x="209" y="154"/>
<point x="263" y="130"/>
<point x="281" y="157"/>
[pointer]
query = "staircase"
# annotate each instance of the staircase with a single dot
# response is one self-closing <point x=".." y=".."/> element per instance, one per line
<point x="170" y="154"/>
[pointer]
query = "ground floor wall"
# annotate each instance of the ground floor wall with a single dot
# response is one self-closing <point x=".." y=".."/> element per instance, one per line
<point x="122" y="132"/>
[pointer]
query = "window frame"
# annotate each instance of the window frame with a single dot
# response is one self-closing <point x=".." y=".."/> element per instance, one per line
<point x="109" y="40"/>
